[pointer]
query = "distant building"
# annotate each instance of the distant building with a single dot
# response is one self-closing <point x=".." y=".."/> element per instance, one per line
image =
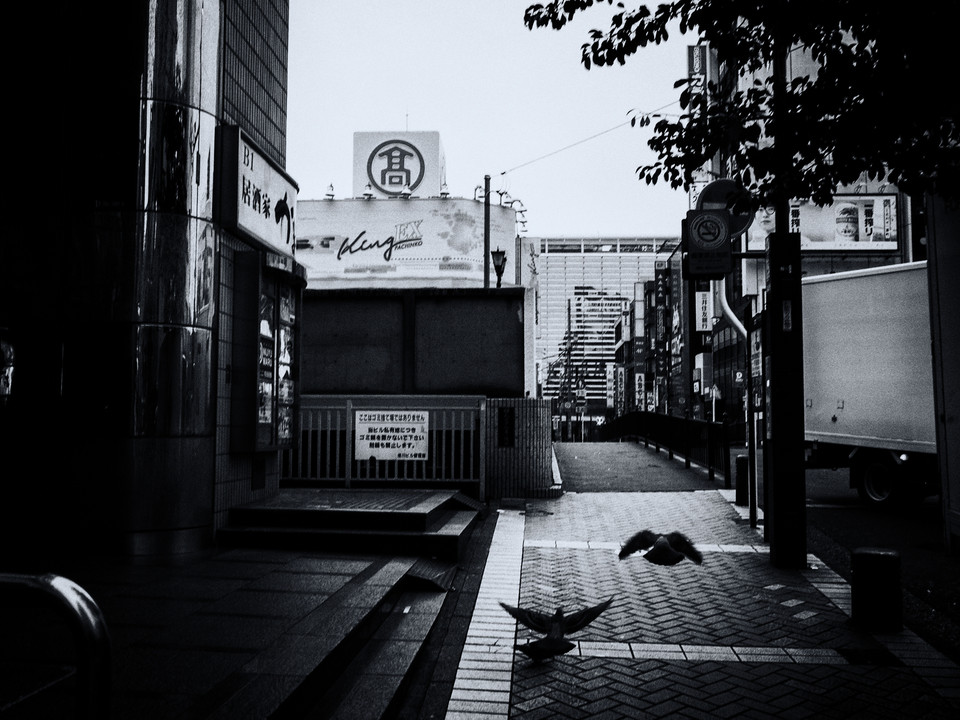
<point x="584" y="287"/>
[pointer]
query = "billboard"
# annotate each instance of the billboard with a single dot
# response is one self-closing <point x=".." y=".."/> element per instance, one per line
<point x="851" y="223"/>
<point x="379" y="243"/>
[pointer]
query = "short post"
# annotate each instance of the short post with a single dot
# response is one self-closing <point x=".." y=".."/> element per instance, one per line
<point x="743" y="480"/>
<point x="876" y="600"/>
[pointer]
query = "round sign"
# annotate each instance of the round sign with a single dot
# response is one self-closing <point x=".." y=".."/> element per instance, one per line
<point x="724" y="194"/>
<point x="393" y="165"/>
<point x="708" y="230"/>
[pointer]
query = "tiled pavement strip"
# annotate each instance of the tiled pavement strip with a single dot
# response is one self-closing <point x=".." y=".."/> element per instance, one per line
<point x="482" y="689"/>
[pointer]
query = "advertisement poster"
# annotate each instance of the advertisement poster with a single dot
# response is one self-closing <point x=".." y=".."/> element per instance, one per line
<point x="391" y="434"/>
<point x="851" y="223"/>
<point x="383" y="242"/>
<point x="265" y="366"/>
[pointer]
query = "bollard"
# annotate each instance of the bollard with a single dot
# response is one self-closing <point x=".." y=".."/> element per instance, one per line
<point x="877" y="604"/>
<point x="743" y="480"/>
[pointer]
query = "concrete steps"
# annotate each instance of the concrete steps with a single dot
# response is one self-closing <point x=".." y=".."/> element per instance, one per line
<point x="370" y="685"/>
<point x="429" y="523"/>
<point x="350" y="657"/>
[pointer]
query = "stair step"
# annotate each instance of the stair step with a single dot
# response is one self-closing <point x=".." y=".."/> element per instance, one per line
<point x="444" y="537"/>
<point x="431" y="573"/>
<point x="279" y="678"/>
<point x="370" y="684"/>
<point x="395" y="509"/>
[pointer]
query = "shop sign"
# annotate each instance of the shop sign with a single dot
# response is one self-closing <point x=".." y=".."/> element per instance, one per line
<point x="704" y="310"/>
<point x="254" y="197"/>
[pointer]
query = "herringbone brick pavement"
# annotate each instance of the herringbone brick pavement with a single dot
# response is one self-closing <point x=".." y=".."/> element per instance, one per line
<point x="703" y="515"/>
<point x="616" y="688"/>
<point x="732" y="599"/>
<point x="736" y="604"/>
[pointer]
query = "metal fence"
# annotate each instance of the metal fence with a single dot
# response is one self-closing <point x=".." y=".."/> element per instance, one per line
<point x="326" y="454"/>
<point x="704" y="443"/>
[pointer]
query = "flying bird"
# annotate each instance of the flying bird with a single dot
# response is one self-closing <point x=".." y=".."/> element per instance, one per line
<point x="664" y="548"/>
<point x="554" y="627"/>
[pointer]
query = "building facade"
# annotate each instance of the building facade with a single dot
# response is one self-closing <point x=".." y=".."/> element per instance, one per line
<point x="584" y="287"/>
<point x="153" y="364"/>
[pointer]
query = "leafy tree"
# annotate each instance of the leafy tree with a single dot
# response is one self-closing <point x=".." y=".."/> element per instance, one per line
<point x="883" y="101"/>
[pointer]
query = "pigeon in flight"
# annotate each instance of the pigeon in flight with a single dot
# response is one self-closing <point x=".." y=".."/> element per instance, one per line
<point x="554" y="627"/>
<point x="665" y="549"/>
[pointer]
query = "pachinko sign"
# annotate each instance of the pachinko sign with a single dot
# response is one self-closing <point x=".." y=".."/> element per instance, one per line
<point x="379" y="241"/>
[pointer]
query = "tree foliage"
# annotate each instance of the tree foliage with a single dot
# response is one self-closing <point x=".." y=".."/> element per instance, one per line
<point x="882" y="102"/>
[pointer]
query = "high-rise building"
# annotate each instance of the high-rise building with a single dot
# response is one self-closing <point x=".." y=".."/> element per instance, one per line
<point x="584" y="287"/>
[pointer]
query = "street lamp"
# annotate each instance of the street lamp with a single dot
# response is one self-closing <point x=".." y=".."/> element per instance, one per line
<point x="499" y="258"/>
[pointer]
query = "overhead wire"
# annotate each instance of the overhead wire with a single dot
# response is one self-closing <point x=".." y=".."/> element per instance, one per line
<point x="652" y="113"/>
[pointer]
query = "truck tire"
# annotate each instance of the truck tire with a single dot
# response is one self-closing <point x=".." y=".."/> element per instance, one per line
<point x="880" y="481"/>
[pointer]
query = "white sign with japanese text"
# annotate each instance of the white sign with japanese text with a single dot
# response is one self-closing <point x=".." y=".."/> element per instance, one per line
<point x="391" y="434"/>
<point x="255" y="197"/>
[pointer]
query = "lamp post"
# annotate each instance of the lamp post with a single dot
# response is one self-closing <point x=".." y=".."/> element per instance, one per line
<point x="499" y="263"/>
<point x="486" y="232"/>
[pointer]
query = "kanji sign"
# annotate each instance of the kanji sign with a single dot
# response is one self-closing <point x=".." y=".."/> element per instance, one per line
<point x="391" y="434"/>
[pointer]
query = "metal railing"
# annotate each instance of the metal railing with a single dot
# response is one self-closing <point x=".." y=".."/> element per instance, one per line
<point x="697" y="441"/>
<point x="326" y="451"/>
<point x="19" y="593"/>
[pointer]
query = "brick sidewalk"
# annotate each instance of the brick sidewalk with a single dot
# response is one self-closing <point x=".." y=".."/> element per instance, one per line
<point x="733" y="637"/>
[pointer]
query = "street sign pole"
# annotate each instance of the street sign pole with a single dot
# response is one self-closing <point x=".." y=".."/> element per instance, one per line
<point x="784" y="481"/>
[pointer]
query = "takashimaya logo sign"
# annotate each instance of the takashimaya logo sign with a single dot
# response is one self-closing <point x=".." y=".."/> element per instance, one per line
<point x="394" y="164"/>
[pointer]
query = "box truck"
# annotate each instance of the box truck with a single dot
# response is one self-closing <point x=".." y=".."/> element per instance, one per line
<point x="868" y="380"/>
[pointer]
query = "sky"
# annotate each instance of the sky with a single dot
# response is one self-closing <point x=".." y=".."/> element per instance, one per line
<point x="512" y="103"/>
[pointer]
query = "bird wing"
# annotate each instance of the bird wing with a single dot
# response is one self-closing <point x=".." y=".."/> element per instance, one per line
<point x="580" y="619"/>
<point x="641" y="541"/>
<point x="681" y="543"/>
<point x="541" y="622"/>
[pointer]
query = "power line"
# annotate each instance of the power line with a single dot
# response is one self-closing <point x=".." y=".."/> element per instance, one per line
<point x="654" y="113"/>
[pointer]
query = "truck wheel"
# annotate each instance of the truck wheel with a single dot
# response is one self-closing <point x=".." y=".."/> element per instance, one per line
<point x="879" y="482"/>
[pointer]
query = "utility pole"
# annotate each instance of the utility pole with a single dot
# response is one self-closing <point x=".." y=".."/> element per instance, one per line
<point x="784" y="481"/>
<point x="486" y="232"/>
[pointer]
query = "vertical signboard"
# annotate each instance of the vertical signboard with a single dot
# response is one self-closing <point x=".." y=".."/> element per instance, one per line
<point x="253" y="197"/>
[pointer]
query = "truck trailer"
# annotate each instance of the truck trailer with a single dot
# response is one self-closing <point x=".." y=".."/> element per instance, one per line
<point x="868" y="380"/>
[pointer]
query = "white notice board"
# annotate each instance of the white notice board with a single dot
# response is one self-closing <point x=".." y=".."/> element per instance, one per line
<point x="391" y="434"/>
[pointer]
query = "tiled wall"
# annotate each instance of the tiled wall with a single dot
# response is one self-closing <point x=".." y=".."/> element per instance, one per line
<point x="237" y="473"/>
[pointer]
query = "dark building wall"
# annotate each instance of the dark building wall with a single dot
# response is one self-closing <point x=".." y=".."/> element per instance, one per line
<point x="413" y="341"/>
<point x="109" y="292"/>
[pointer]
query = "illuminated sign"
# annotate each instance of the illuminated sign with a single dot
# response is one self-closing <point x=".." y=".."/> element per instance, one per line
<point x="254" y="197"/>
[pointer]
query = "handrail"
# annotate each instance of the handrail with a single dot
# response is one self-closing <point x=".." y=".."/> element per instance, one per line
<point x="89" y="630"/>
